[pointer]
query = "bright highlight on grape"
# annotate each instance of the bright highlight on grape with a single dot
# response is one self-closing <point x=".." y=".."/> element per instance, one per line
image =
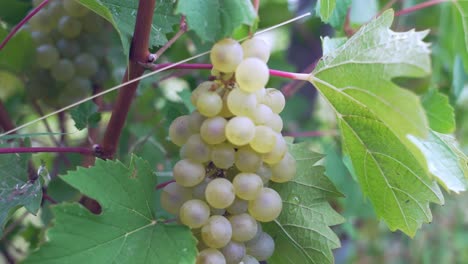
<point x="231" y="148"/>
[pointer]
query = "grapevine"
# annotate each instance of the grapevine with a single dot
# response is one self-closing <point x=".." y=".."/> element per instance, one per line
<point x="231" y="148"/>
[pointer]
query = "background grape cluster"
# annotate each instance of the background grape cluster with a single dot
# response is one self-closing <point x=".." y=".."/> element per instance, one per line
<point x="69" y="55"/>
<point x="231" y="147"/>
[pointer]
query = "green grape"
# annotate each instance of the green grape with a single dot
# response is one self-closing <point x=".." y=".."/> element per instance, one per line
<point x="201" y="89"/>
<point x="274" y="99"/>
<point x="252" y="74"/>
<point x="239" y="206"/>
<point x="260" y="94"/>
<point x="195" y="121"/>
<point x="217" y="232"/>
<point x="46" y="56"/>
<point x="210" y="256"/>
<point x="173" y="196"/>
<point x="223" y="155"/>
<point x="240" y="130"/>
<point x="86" y="65"/>
<point x="68" y="48"/>
<point x="41" y="21"/>
<point x="212" y="130"/>
<point x="264" y="172"/>
<point x="267" y="206"/>
<point x="284" y="170"/>
<point x="76" y="89"/>
<point x="233" y="252"/>
<point x="188" y="173"/>
<point x="278" y="151"/>
<point x="63" y="70"/>
<point x="209" y="104"/>
<point x="264" y="140"/>
<point x="262" y="115"/>
<point x="275" y="122"/>
<point x="261" y="248"/>
<point x="179" y="131"/>
<point x="55" y="11"/>
<point x="247" y="159"/>
<point x="225" y="55"/>
<point x="69" y="27"/>
<point x="41" y="38"/>
<point x="198" y="191"/>
<point x="194" y="213"/>
<point x="247" y="185"/>
<point x="256" y="47"/>
<point x="41" y="86"/>
<point x="74" y="9"/>
<point x="220" y="193"/>
<point x="244" y="227"/>
<point x="241" y="103"/>
<point x="249" y="260"/>
<point x="197" y="150"/>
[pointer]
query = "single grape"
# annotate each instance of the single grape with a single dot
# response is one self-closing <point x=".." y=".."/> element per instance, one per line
<point x="74" y="9"/>
<point x="284" y="170"/>
<point x="244" y="227"/>
<point x="220" y="193"/>
<point x="247" y="185"/>
<point x="267" y="206"/>
<point x="233" y="252"/>
<point x="173" y="196"/>
<point x="275" y="122"/>
<point x="260" y="94"/>
<point x="261" y="248"/>
<point x="86" y="65"/>
<point x="217" y="232"/>
<point x="179" y="130"/>
<point x="197" y="150"/>
<point x="241" y="103"/>
<point x="46" y="56"/>
<point x="252" y="74"/>
<point x="198" y="191"/>
<point x="212" y="130"/>
<point x="223" y="155"/>
<point x="264" y="172"/>
<point x="239" y="206"/>
<point x="225" y="55"/>
<point x="240" y="130"/>
<point x="247" y="159"/>
<point x="63" y="70"/>
<point x="41" y="38"/>
<point x="256" y="47"/>
<point x="76" y="89"/>
<point x="41" y="21"/>
<point x="264" y="140"/>
<point x="201" y="89"/>
<point x="55" y="11"/>
<point x="68" y="48"/>
<point x="194" y="213"/>
<point x="249" y="260"/>
<point x="188" y="173"/>
<point x="69" y="27"/>
<point x="210" y="256"/>
<point x="195" y="121"/>
<point x="274" y="99"/>
<point x="278" y="151"/>
<point x="209" y="104"/>
<point x="262" y="115"/>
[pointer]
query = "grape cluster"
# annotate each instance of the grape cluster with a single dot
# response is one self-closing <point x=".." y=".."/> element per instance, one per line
<point x="69" y="54"/>
<point x="231" y="147"/>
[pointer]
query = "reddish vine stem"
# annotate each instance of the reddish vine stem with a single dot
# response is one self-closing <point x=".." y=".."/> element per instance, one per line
<point x="419" y="7"/>
<point x="79" y="150"/>
<point x="164" y="184"/>
<point x="139" y="52"/>
<point x="22" y="22"/>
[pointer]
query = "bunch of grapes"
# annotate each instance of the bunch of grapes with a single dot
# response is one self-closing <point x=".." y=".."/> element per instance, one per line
<point x="231" y="148"/>
<point x="69" y="54"/>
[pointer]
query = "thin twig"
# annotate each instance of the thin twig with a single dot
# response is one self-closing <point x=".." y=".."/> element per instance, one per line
<point x="164" y="184"/>
<point x="46" y="197"/>
<point x="80" y="150"/>
<point x="22" y="22"/>
<point x="419" y="7"/>
<point x="38" y="109"/>
<point x="182" y="30"/>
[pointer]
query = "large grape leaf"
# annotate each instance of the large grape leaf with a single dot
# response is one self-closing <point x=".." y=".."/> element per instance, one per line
<point x="376" y="116"/>
<point x="302" y="233"/>
<point x="439" y="111"/>
<point x="122" y="15"/>
<point x="128" y="229"/>
<point x="16" y="55"/>
<point x="15" y="188"/>
<point x="325" y="9"/>
<point x="215" y="19"/>
<point x="461" y="17"/>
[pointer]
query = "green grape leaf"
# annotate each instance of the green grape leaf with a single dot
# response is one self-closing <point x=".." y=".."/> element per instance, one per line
<point x="213" y="19"/>
<point x="325" y="9"/>
<point x="301" y="232"/>
<point x="128" y="229"/>
<point x="439" y="111"/>
<point x="15" y="188"/>
<point x="85" y="114"/>
<point x="375" y="117"/>
<point x="331" y="44"/>
<point x="461" y="18"/>
<point x="445" y="160"/>
<point x="338" y="16"/>
<point x="17" y="55"/>
<point x="12" y="11"/>
<point x="459" y="78"/>
<point x="122" y="15"/>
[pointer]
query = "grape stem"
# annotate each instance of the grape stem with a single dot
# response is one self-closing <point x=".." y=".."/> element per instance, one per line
<point x="419" y="7"/>
<point x="182" y="30"/>
<point x="164" y="184"/>
<point x="80" y="150"/>
<point x="204" y="66"/>
<point x="5" y="120"/>
<point x="22" y="22"/>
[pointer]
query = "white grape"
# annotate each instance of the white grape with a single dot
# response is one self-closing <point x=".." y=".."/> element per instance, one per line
<point x="212" y="130"/>
<point x="256" y="47"/>
<point x="196" y="149"/>
<point x="241" y="103"/>
<point x="266" y="206"/>
<point x="188" y="173"/>
<point x="173" y="196"/>
<point x="219" y="193"/>
<point x="264" y="139"/>
<point x="194" y="213"/>
<point x="247" y="185"/>
<point x="225" y="55"/>
<point x="217" y="232"/>
<point x="240" y="130"/>
<point x="223" y="155"/>
<point x="210" y="256"/>
<point x="244" y="227"/>
<point x="274" y="99"/>
<point x="261" y="248"/>
<point x="247" y="159"/>
<point x="284" y="170"/>
<point x="233" y="252"/>
<point x="179" y="130"/>
<point x="209" y="104"/>
<point x="252" y="74"/>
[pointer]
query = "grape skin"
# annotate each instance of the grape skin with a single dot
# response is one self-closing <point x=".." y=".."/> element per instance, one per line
<point x="256" y="47"/>
<point x="217" y="232"/>
<point x="247" y="185"/>
<point x="234" y="252"/>
<point x="226" y="55"/>
<point x="210" y="256"/>
<point x="244" y="227"/>
<point x="209" y="104"/>
<point x="267" y="205"/>
<point x="220" y="193"/>
<point x="173" y="196"/>
<point x="285" y="170"/>
<point x="212" y="130"/>
<point x="261" y="248"/>
<point x="240" y="130"/>
<point x="188" y="173"/>
<point x="46" y="56"/>
<point x="194" y="213"/>
<point x="248" y="81"/>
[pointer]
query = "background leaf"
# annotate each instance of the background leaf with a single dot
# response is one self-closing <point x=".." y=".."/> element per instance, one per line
<point x="85" y="114"/>
<point x="17" y="55"/>
<point x="439" y="111"/>
<point x="128" y="229"/>
<point x="325" y="9"/>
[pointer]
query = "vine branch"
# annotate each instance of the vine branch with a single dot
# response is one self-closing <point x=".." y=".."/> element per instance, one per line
<point x="79" y="150"/>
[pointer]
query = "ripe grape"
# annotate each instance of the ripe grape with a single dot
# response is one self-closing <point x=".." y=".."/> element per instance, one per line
<point x="210" y="256"/>
<point x="239" y="206"/>
<point x="249" y="260"/>
<point x="198" y="191"/>
<point x="179" y="130"/>
<point x="265" y="173"/>
<point x="63" y="70"/>
<point x="240" y="130"/>
<point x="40" y="38"/>
<point x="223" y="155"/>
<point x="261" y="248"/>
<point x="264" y="139"/>
<point x="188" y="173"/>
<point x="69" y="27"/>
<point x="209" y="104"/>
<point x="274" y="99"/>
<point x="252" y="74"/>
<point x="247" y="185"/>
<point x="284" y="170"/>
<point x="194" y="213"/>
<point x="247" y="159"/>
<point x="212" y="130"/>
<point x="196" y="149"/>
<point x="278" y="151"/>
<point x="195" y="121"/>
<point x="86" y="65"/>
<point x="46" y="56"/>
<point x="41" y="21"/>
<point x="244" y="227"/>
<point x="241" y="103"/>
<point x="173" y="196"/>
<point x="262" y="115"/>
<point x="68" y="48"/>
<point x="201" y="88"/>
<point x="256" y="47"/>
<point x="217" y="232"/>
<point x="275" y="122"/>
<point x="220" y="193"/>
<point x="233" y="252"/>
<point x="267" y="206"/>
<point x="226" y="55"/>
